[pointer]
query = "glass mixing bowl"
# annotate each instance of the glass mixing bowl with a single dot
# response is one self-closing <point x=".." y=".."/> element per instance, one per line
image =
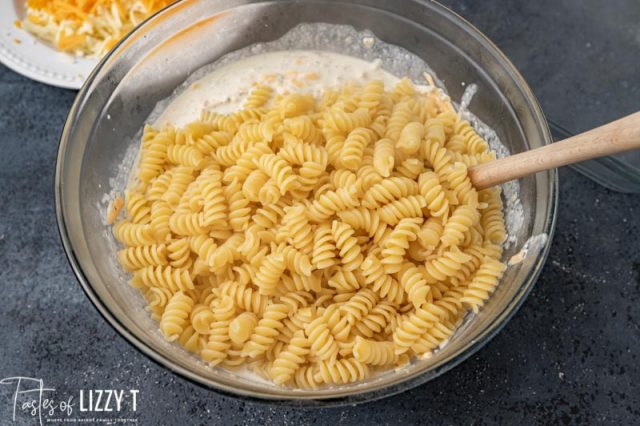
<point x="150" y="63"/>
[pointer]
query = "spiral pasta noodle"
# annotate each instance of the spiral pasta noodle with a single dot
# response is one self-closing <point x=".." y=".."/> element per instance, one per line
<point x="304" y="128"/>
<point x="269" y="273"/>
<point x="430" y="233"/>
<point x="382" y="282"/>
<point x="366" y="220"/>
<point x="359" y="305"/>
<point x="400" y="117"/>
<point x="397" y="243"/>
<point x="342" y="371"/>
<point x="299" y="231"/>
<point x="461" y="220"/>
<point x="483" y="283"/>
<point x="434" y="194"/>
<point x="344" y="281"/>
<point x="315" y="241"/>
<point x="332" y="202"/>
<point x="244" y="296"/>
<point x="184" y="155"/>
<point x="414" y="284"/>
<point x="267" y="329"/>
<point x="384" y="157"/>
<point x="347" y="245"/>
<point x="153" y="158"/>
<point x="218" y="344"/>
<point x="445" y="266"/>
<point x="407" y="207"/>
<point x="324" y="249"/>
<point x="389" y="190"/>
<point x="187" y="224"/>
<point x="175" y="316"/>
<point x="344" y="122"/>
<point x="201" y="318"/>
<point x="352" y="152"/>
<point x="280" y="172"/>
<point x="174" y="279"/>
<point x="323" y="344"/>
<point x="179" y="253"/>
<point x="259" y="96"/>
<point x="473" y="143"/>
<point x="133" y="234"/>
<point x="372" y="94"/>
<point x="138" y="209"/>
<point x="246" y="163"/>
<point x="242" y="326"/>
<point x="134" y="258"/>
<point x="460" y="184"/>
<point x="374" y="353"/>
<point x="289" y="360"/>
<point x="492" y="216"/>
<point x="296" y="261"/>
<point x="410" y="138"/>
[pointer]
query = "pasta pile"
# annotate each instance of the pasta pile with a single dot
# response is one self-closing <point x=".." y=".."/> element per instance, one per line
<point x="87" y="27"/>
<point x="314" y="240"/>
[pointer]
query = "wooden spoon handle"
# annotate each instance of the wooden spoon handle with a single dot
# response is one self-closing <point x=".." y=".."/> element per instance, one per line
<point x="612" y="138"/>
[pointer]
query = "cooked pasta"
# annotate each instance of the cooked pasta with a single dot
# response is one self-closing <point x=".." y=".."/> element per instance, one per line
<point x="290" y="360"/>
<point x="175" y="316"/>
<point x="411" y="138"/>
<point x="384" y="157"/>
<point x="374" y="353"/>
<point x="134" y="258"/>
<point x="315" y="241"/>
<point x="347" y="244"/>
<point x="388" y="190"/>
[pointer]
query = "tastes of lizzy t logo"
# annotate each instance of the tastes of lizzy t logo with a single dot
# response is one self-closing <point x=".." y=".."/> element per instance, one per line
<point x="29" y="397"/>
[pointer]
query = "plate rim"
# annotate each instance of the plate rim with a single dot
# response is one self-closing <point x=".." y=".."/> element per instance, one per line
<point x="20" y="63"/>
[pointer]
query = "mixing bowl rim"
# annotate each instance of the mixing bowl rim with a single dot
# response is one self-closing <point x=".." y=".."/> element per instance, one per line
<point x="494" y="327"/>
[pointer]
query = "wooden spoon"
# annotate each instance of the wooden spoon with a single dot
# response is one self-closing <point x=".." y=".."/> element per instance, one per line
<point x="612" y="138"/>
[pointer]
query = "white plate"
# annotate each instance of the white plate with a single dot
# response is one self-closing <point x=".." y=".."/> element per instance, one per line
<point x="26" y="54"/>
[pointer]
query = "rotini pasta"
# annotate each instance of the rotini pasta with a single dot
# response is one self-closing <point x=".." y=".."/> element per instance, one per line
<point x="347" y="245"/>
<point x="259" y="96"/>
<point x="242" y="326"/>
<point x="397" y="243"/>
<point x="382" y="282"/>
<point x="134" y="258"/>
<point x="266" y="331"/>
<point x="324" y="249"/>
<point x="218" y="344"/>
<point x="374" y="353"/>
<point x="314" y="240"/>
<point x="352" y="152"/>
<point x="384" y="157"/>
<point x="175" y="316"/>
<point x="323" y="344"/>
<point x="280" y="172"/>
<point x="407" y="207"/>
<point x="289" y="360"/>
<point x="483" y="283"/>
<point x="411" y="138"/>
<point x="434" y="194"/>
<point x="389" y="190"/>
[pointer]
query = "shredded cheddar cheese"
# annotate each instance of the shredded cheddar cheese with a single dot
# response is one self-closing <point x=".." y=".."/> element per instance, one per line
<point x="87" y="27"/>
<point x="114" y="209"/>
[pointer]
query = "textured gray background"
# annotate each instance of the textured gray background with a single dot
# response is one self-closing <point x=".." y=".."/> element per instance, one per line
<point x="570" y="356"/>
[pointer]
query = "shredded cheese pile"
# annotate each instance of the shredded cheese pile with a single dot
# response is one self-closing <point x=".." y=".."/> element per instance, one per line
<point x="87" y="27"/>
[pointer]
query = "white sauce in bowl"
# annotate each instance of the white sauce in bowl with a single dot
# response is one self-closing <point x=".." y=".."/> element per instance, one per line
<point x="225" y="89"/>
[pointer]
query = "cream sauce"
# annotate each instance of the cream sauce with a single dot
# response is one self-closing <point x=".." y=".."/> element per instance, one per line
<point x="225" y="89"/>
